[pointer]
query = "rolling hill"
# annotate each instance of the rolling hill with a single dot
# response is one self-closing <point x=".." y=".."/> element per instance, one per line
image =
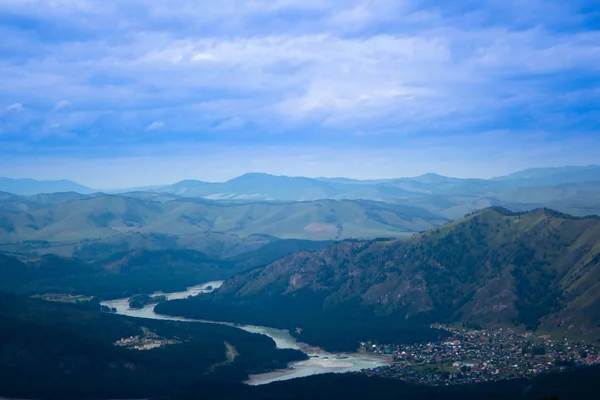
<point x="106" y="216"/>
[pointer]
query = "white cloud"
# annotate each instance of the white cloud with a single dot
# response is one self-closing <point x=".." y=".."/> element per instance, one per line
<point x="155" y="125"/>
<point x="15" y="107"/>
<point x="61" y="105"/>
<point x="397" y="78"/>
<point x="354" y="18"/>
<point x="352" y="65"/>
<point x="232" y="123"/>
<point x="203" y="57"/>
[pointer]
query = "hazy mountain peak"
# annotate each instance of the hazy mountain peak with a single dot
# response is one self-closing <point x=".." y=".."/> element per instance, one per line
<point x="432" y="178"/>
<point x="28" y="186"/>
<point x="266" y="178"/>
<point x="495" y="210"/>
<point x="190" y="182"/>
<point x="555" y="175"/>
<point x="254" y="175"/>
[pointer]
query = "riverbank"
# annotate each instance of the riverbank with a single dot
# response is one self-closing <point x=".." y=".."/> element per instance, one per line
<point x="323" y="363"/>
<point x="320" y="362"/>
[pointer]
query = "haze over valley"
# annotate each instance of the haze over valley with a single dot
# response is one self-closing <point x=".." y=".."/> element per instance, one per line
<point x="334" y="272"/>
<point x="298" y="199"/>
<point x="311" y="257"/>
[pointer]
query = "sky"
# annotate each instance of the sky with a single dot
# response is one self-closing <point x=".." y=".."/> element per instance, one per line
<point x="128" y="93"/>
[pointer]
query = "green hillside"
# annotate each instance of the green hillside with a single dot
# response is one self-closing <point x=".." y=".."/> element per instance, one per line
<point x="106" y="216"/>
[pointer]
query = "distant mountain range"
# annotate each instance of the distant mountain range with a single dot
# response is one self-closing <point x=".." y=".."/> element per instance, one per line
<point x="538" y="270"/>
<point x="574" y="190"/>
<point x="260" y="186"/>
<point x="264" y="187"/>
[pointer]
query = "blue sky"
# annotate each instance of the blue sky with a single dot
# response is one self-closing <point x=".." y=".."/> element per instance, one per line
<point x="138" y="92"/>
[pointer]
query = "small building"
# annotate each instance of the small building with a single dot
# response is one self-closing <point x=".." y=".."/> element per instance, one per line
<point x="471" y="363"/>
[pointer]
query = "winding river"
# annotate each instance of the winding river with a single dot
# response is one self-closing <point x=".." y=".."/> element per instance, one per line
<point x="320" y="361"/>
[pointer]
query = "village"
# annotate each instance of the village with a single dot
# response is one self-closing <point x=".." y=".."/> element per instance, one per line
<point x="470" y="356"/>
<point x="148" y="341"/>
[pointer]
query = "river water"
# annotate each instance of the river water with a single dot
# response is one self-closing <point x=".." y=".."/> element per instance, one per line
<point x="320" y="361"/>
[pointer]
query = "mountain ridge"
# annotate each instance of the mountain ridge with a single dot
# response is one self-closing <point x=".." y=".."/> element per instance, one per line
<point x="566" y="174"/>
<point x="576" y="191"/>
<point x="538" y="270"/>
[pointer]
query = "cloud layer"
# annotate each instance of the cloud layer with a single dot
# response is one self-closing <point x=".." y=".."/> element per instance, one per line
<point x="146" y="79"/>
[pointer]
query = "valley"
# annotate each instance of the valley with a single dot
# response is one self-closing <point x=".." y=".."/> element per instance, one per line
<point x="300" y="200"/>
<point x="253" y="294"/>
<point x="319" y="362"/>
<point x="464" y="357"/>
